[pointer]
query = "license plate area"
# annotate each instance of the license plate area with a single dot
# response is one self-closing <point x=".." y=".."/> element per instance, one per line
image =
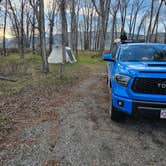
<point x="163" y="114"/>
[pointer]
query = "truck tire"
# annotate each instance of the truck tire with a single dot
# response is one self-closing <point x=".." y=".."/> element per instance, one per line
<point x="107" y="80"/>
<point x="109" y="83"/>
<point x="115" y="114"/>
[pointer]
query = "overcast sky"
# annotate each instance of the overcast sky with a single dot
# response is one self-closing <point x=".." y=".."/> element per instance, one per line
<point x="147" y="2"/>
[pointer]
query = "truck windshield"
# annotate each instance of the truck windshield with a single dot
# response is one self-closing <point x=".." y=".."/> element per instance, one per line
<point x="135" y="53"/>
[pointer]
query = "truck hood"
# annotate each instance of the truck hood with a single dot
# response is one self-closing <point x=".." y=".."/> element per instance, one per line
<point x="133" y="68"/>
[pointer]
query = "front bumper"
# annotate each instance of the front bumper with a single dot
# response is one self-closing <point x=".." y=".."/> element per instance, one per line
<point x="150" y="109"/>
<point x="135" y="107"/>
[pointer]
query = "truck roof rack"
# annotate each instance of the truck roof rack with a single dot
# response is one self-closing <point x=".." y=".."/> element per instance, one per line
<point x="132" y="41"/>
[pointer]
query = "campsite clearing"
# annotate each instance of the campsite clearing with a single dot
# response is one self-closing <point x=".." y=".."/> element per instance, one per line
<point x="45" y="123"/>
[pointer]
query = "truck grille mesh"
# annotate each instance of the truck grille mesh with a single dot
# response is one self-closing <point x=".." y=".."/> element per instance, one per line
<point x="149" y="86"/>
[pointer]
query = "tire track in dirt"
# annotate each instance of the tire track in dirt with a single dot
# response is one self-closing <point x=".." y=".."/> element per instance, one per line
<point x="87" y="136"/>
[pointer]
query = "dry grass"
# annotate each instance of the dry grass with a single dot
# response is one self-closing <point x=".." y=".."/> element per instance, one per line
<point x="28" y="73"/>
<point x="36" y="92"/>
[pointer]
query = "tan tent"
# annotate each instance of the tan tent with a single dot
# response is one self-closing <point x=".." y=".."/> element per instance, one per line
<point x="57" y="57"/>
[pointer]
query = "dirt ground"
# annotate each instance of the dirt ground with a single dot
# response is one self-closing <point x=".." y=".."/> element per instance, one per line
<point x="79" y="132"/>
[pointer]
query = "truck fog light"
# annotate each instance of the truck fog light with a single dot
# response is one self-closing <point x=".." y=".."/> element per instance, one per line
<point x="120" y="103"/>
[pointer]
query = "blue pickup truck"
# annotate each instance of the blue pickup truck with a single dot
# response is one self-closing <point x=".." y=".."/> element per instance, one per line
<point x="136" y="77"/>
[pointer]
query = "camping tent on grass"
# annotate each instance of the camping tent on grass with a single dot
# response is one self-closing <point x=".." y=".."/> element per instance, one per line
<point x="57" y="57"/>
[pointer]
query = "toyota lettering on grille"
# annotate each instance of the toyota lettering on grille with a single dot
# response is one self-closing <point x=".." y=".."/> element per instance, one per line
<point x="162" y="85"/>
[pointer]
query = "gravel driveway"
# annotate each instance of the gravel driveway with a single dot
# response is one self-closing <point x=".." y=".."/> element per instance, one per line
<point x="87" y="137"/>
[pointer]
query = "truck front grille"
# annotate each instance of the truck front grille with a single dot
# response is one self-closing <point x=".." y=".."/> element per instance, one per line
<point x="149" y="86"/>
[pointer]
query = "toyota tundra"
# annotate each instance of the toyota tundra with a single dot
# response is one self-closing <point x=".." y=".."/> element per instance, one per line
<point x="136" y="77"/>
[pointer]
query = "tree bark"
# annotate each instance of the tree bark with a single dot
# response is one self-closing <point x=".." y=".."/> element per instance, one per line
<point x="45" y="66"/>
<point x="113" y="11"/>
<point x="156" y="33"/>
<point x="51" y="25"/>
<point x="16" y="25"/>
<point x="64" y="38"/>
<point x="22" y="30"/>
<point x="73" y="38"/>
<point x="165" y="33"/>
<point x="156" y="19"/>
<point x="150" y="23"/>
<point x="123" y="12"/>
<point x="33" y="32"/>
<point x="140" y="25"/>
<point x="4" y="31"/>
<point x="103" y="13"/>
<point x="51" y="37"/>
<point x="113" y="31"/>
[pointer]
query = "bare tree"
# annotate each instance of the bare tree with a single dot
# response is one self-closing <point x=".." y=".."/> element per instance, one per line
<point x="74" y="6"/>
<point x="22" y="29"/>
<point x="150" y="22"/>
<point x="34" y="20"/>
<point x="45" y="66"/>
<point x="38" y="7"/>
<point x="74" y="25"/>
<point x="64" y="37"/>
<point x="165" y="33"/>
<point x="102" y="8"/>
<point x="18" y="25"/>
<point x="87" y="23"/>
<point x="28" y="14"/>
<point x="33" y="30"/>
<point x="113" y="11"/>
<point x="156" y="19"/>
<point x="4" y="29"/>
<point x="51" y="17"/>
<point x="135" y="8"/>
<point x="143" y="19"/>
<point x="123" y="12"/>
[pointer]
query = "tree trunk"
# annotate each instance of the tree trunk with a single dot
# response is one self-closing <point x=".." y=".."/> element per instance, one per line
<point x="4" y="31"/>
<point x="22" y="31"/>
<point x="156" y="34"/>
<point x="45" y="66"/>
<point x="28" y="30"/>
<point x="51" y="25"/>
<point x="165" y="34"/>
<point x="123" y="12"/>
<point x="77" y="32"/>
<point x="113" y="30"/>
<point x="97" y="43"/>
<point x="64" y="38"/>
<point x="16" y="25"/>
<point x="51" y="38"/>
<point x="102" y="36"/>
<point x="150" y="23"/>
<point x="73" y="26"/>
<point x="33" y="34"/>
<point x="140" y="25"/>
<point x="103" y="12"/>
<point x="156" y="19"/>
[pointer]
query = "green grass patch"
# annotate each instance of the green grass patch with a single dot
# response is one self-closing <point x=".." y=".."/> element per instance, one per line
<point x="28" y="72"/>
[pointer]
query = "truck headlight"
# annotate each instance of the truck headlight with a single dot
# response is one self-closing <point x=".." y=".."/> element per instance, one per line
<point x="122" y="79"/>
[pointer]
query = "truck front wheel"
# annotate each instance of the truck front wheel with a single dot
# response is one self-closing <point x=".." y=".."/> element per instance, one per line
<point x="115" y="114"/>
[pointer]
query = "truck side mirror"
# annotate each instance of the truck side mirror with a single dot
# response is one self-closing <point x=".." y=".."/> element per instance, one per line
<point x="108" y="57"/>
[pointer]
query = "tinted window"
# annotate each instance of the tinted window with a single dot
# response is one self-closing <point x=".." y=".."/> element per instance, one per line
<point x="143" y="53"/>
